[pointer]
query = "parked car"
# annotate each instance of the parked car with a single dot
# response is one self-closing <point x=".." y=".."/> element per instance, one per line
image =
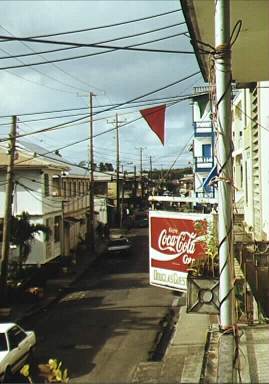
<point x="16" y="345"/>
<point x="119" y="246"/>
<point x="141" y="220"/>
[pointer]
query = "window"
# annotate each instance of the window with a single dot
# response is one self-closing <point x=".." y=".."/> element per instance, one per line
<point x="241" y="176"/>
<point x="47" y="234"/>
<point x="3" y="342"/>
<point x="246" y="182"/>
<point x="1" y="230"/>
<point x="56" y="186"/>
<point x="46" y="185"/>
<point x="238" y="110"/>
<point x="64" y="188"/>
<point x="206" y="151"/>
<point x="75" y="188"/>
<point x="57" y="227"/>
<point x="15" y="336"/>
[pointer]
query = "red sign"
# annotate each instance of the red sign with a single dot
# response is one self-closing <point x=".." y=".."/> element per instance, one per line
<point x="176" y="240"/>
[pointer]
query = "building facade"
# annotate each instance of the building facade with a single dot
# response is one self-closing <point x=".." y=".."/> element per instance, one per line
<point x="203" y="146"/>
<point x="54" y="193"/>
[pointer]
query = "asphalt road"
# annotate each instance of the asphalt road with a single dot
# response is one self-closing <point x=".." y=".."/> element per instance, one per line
<point x="108" y="322"/>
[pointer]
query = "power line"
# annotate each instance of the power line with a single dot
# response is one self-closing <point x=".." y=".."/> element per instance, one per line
<point x="41" y="73"/>
<point x="36" y="53"/>
<point x="83" y="140"/>
<point x="67" y="73"/>
<point x="77" y="142"/>
<point x="111" y="48"/>
<point x="54" y="65"/>
<point x="101" y="42"/>
<point x="109" y="25"/>
<point x="108" y="109"/>
<point x="164" y="100"/>
<point x="37" y="83"/>
<point x="167" y="98"/>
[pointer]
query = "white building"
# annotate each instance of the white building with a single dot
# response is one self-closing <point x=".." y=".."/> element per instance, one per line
<point x="251" y="166"/>
<point x="55" y="194"/>
<point x="35" y="193"/>
<point x="203" y="143"/>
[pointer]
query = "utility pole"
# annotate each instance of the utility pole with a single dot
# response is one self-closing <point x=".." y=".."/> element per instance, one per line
<point x="150" y="172"/>
<point x="224" y="159"/>
<point x="91" y="165"/>
<point x="135" y="184"/>
<point x="141" y="170"/>
<point x="118" y="166"/>
<point x="122" y="198"/>
<point x="226" y="369"/>
<point x="117" y="122"/>
<point x="8" y="211"/>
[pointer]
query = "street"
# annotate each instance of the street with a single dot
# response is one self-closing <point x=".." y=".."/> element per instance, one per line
<point x="108" y="322"/>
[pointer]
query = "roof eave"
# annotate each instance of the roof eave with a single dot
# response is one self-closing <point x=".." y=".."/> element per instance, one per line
<point x="191" y="21"/>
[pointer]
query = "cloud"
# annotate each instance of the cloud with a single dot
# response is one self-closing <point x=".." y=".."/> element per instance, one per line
<point x="122" y="75"/>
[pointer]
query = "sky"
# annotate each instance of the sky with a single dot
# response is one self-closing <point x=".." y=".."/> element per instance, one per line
<point x="115" y="78"/>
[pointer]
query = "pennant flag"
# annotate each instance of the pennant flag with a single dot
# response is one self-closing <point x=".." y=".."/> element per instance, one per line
<point x="155" y="118"/>
<point x="210" y="177"/>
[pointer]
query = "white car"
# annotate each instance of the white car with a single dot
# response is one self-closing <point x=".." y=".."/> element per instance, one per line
<point x="15" y="347"/>
<point x="119" y="245"/>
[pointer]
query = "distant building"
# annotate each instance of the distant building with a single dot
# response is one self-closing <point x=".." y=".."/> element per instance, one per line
<point x="203" y="144"/>
<point x="54" y="193"/>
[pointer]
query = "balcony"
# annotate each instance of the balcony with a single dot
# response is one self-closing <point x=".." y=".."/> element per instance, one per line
<point x="203" y="164"/>
<point x="203" y="128"/>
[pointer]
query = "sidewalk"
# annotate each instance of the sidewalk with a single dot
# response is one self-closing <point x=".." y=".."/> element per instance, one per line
<point x="20" y="311"/>
<point x="184" y="357"/>
<point x="193" y="355"/>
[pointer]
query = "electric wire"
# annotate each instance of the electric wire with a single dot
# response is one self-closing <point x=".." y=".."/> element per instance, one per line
<point x="43" y="74"/>
<point x="136" y="105"/>
<point x="108" y="25"/>
<point x="76" y="142"/>
<point x="168" y="98"/>
<point x="111" y="48"/>
<point x="101" y="42"/>
<point x="54" y="65"/>
<point x="108" y="109"/>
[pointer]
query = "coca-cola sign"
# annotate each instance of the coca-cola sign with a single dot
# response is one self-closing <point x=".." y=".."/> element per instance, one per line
<point x="175" y="242"/>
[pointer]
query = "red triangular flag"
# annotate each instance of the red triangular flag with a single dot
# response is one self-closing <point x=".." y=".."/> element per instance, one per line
<point x="155" y="118"/>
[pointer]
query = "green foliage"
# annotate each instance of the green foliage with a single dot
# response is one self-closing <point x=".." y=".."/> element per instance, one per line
<point x="207" y="265"/>
<point x="52" y="372"/>
<point x="22" y="234"/>
<point x="105" y="167"/>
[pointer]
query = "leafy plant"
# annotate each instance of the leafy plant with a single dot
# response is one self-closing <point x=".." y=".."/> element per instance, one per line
<point x="207" y="265"/>
<point x="52" y="372"/>
<point x="22" y="234"/>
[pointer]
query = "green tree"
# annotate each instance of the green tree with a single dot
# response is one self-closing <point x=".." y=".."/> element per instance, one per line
<point x="109" y="167"/>
<point x="23" y="233"/>
<point x="102" y="167"/>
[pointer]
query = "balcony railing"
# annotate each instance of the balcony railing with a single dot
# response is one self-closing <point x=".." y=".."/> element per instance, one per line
<point x="203" y="164"/>
<point x="203" y="128"/>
